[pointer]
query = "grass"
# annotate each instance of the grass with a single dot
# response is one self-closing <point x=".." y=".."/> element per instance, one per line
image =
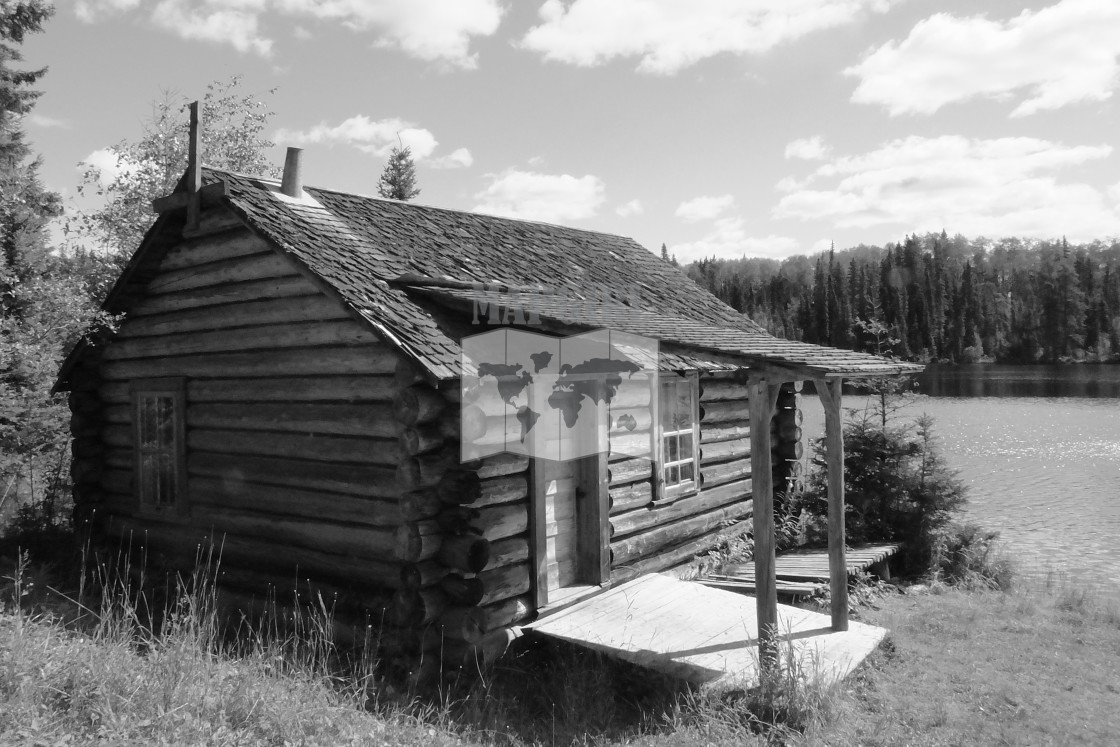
<point x="1033" y="664"/>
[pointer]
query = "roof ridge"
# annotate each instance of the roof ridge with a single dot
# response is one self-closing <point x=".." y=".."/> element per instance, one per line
<point x="428" y="206"/>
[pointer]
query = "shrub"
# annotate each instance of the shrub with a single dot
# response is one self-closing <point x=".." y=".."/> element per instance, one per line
<point x="898" y="488"/>
<point x="968" y="555"/>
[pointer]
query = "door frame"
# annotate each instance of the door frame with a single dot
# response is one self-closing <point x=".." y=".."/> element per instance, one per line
<point x="593" y="529"/>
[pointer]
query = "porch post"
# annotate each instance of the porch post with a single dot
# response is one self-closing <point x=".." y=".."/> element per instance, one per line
<point x="830" y="394"/>
<point x="762" y="400"/>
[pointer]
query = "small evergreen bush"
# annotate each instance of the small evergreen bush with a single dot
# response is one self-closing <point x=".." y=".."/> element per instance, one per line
<point x="898" y="488"/>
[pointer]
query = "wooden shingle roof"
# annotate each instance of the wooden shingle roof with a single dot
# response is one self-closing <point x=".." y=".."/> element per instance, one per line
<point x="367" y="249"/>
<point x="404" y="268"/>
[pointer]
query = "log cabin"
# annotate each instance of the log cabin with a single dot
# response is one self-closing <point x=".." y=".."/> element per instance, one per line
<point x="285" y="384"/>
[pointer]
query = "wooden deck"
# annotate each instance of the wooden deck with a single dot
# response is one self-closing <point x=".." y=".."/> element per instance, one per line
<point x="704" y="635"/>
<point x="800" y="572"/>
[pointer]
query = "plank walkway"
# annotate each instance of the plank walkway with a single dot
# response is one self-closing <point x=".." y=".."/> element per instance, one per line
<point x="800" y="572"/>
<point x="705" y="636"/>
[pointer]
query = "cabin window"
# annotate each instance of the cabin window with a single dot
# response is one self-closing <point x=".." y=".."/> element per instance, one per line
<point x="678" y="411"/>
<point x="158" y="433"/>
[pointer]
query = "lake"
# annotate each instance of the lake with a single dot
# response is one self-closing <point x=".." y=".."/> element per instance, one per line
<point x="1039" y="448"/>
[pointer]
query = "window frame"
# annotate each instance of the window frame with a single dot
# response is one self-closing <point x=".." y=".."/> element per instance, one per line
<point x="666" y="493"/>
<point x="175" y="389"/>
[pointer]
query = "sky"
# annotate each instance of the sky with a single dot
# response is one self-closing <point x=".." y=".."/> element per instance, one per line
<point x="721" y="128"/>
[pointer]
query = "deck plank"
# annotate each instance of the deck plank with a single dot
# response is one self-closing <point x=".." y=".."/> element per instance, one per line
<point x="704" y="635"/>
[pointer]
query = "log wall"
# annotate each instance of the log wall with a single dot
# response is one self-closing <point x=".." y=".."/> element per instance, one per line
<point x="647" y="536"/>
<point x="292" y="444"/>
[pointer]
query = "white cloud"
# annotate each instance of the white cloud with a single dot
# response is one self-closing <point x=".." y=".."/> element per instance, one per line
<point x="229" y="22"/>
<point x="670" y="35"/>
<point x="1114" y="193"/>
<point x="633" y="207"/>
<point x="1046" y="59"/>
<point x="552" y="198"/>
<point x="107" y="164"/>
<point x="457" y="159"/>
<point x="807" y="148"/>
<point x="1003" y="186"/>
<point x="704" y="208"/>
<point x="728" y="239"/>
<point x="39" y="120"/>
<point x="432" y="30"/>
<point x="378" y="138"/>
<point x="90" y="10"/>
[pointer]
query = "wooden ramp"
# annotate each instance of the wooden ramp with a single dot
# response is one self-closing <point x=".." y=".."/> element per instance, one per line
<point x="703" y="635"/>
<point x="799" y="572"/>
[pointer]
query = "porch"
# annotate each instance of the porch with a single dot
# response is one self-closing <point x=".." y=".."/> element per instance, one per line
<point x="706" y="636"/>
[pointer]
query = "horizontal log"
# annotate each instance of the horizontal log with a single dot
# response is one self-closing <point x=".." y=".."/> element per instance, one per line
<point x="421" y="439"/>
<point x="507" y="520"/>
<point x="209" y="492"/>
<point x="724" y="451"/>
<point x="416" y="607"/>
<point x="421" y="504"/>
<point x="407" y="373"/>
<point x="788" y="432"/>
<point x="629" y="497"/>
<point x="508" y="551"/>
<point x="636" y="445"/>
<point x="270" y="311"/>
<point x="424" y="573"/>
<point x="359" y="480"/>
<point x="462" y="623"/>
<point x="349" y="389"/>
<point x="643" y="519"/>
<point x="281" y="287"/>
<point x="298" y="588"/>
<point x="417" y="540"/>
<point x="375" y="543"/>
<point x="723" y="412"/>
<point x="86" y="471"/>
<point x="630" y="470"/>
<point x="791" y="450"/>
<point x="631" y="549"/>
<point x="427" y="640"/>
<point x="462" y="424"/>
<point x="84" y="402"/>
<point x="193" y="252"/>
<point x="371" y="420"/>
<point x="712" y="475"/>
<point x="311" y="446"/>
<point x="366" y="359"/>
<point x="467" y="553"/>
<point x="724" y="431"/>
<point x="423" y="471"/>
<point x="183" y="543"/>
<point x="500" y="464"/>
<point x="233" y="270"/>
<point x="683" y="552"/>
<point x="461" y="590"/>
<point x="345" y="332"/>
<point x="467" y="488"/>
<point x="725" y="390"/>
<point x="457" y="519"/>
<point x="418" y="404"/>
<point x="505" y="582"/>
<point x="506" y="612"/>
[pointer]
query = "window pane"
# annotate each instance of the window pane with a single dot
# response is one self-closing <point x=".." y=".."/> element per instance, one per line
<point x="148" y="478"/>
<point x="166" y="481"/>
<point x="672" y="452"/>
<point x="147" y="422"/>
<point x="673" y="477"/>
<point x="165" y="420"/>
<point x="686" y="472"/>
<point x="686" y="445"/>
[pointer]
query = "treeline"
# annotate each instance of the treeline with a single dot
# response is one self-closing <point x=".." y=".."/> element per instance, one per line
<point x="937" y="298"/>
